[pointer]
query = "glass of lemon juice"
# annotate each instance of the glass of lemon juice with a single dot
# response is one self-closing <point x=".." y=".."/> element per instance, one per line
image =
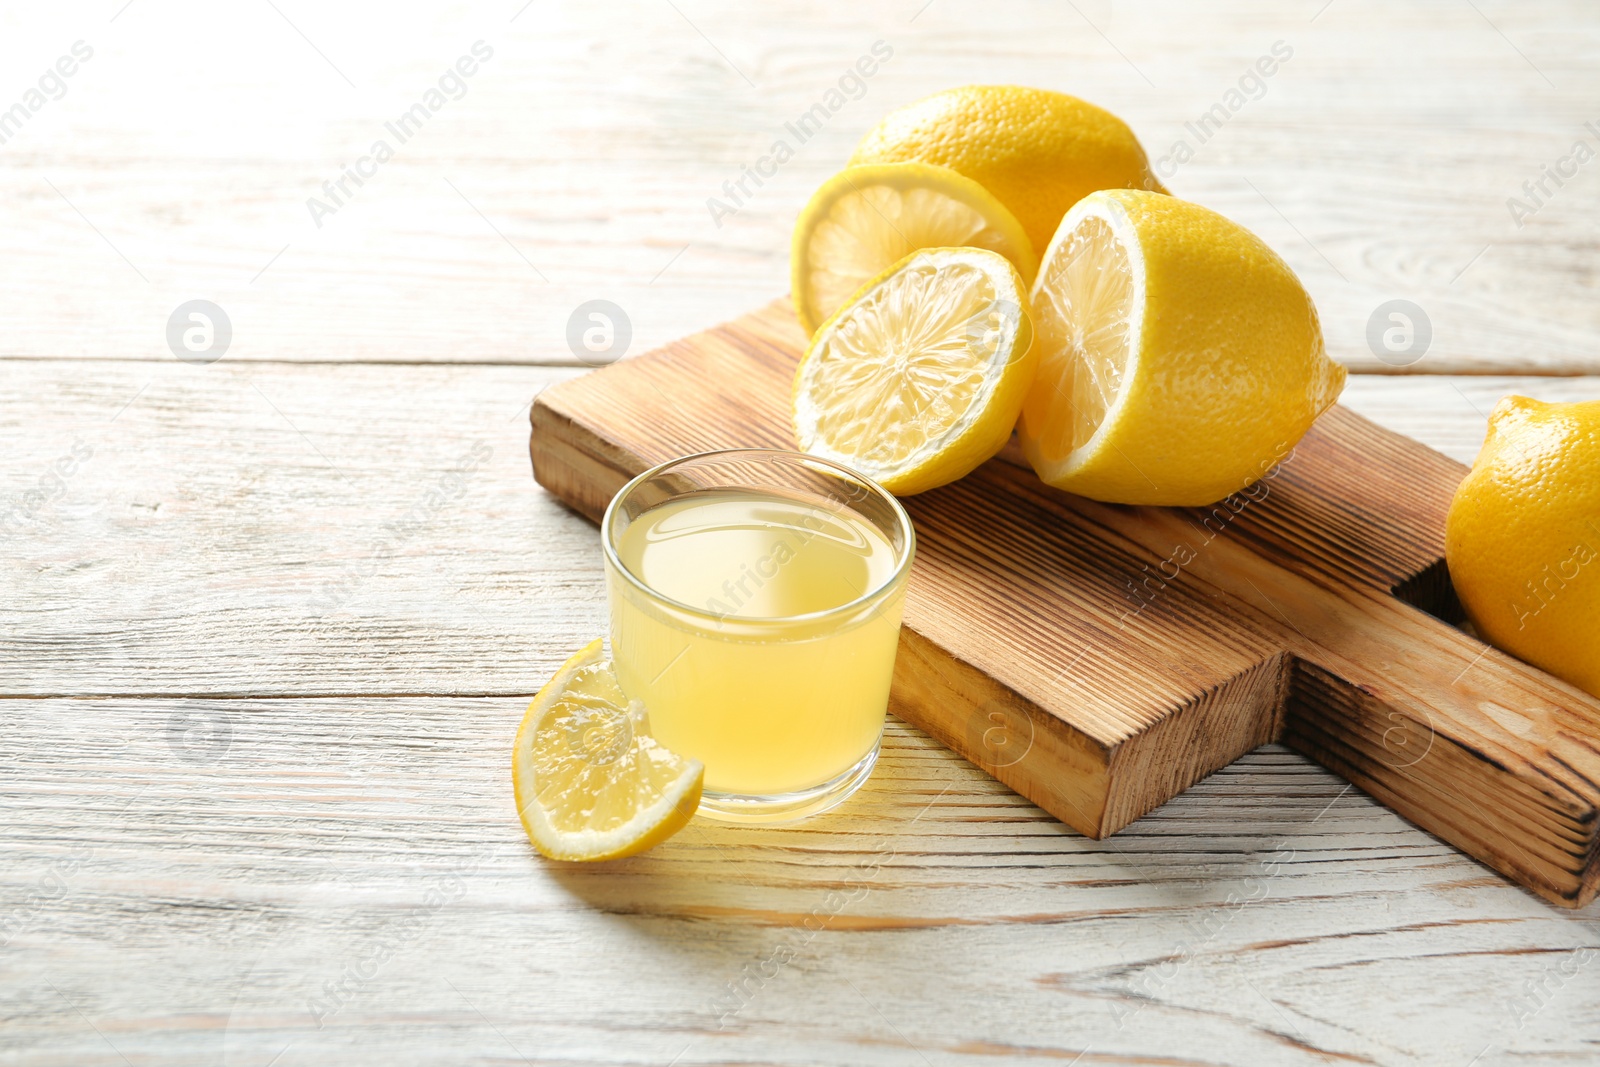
<point x="756" y="598"/>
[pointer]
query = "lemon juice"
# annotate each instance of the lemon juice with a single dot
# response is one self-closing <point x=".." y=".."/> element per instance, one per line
<point x="759" y="630"/>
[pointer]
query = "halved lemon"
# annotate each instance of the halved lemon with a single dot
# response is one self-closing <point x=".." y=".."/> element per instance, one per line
<point x="919" y="378"/>
<point x="590" y="783"/>
<point x="865" y="219"/>
<point x="1039" y="152"/>
<point x="1180" y="359"/>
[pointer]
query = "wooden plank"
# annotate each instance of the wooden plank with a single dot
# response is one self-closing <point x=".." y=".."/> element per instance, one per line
<point x="206" y="523"/>
<point x="1449" y="413"/>
<point x="1144" y="648"/>
<point x="257" y="529"/>
<point x="1378" y="158"/>
<point x="183" y="881"/>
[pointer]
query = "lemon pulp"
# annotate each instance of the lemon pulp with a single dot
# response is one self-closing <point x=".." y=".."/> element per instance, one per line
<point x="919" y="378"/>
<point x="1084" y="315"/>
<point x="867" y="218"/>
<point x="907" y="378"/>
<point x="590" y="783"/>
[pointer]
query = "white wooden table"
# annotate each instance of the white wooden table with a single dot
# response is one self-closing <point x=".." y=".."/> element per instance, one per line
<point x="270" y="622"/>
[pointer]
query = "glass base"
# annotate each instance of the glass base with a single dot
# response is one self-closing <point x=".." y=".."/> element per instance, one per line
<point x="779" y="808"/>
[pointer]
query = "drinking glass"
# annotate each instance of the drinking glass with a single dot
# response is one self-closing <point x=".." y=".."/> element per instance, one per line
<point x="756" y="597"/>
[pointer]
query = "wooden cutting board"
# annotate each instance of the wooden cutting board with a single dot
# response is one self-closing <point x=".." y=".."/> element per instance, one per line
<point x="1100" y="659"/>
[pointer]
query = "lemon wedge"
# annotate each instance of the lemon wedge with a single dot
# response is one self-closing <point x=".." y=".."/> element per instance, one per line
<point x="919" y="378"/>
<point x="1180" y="359"/>
<point x="865" y="219"/>
<point x="590" y="783"/>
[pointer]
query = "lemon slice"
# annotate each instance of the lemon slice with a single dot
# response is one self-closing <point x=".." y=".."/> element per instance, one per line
<point x="590" y="783"/>
<point x="919" y="378"/>
<point x="1180" y="360"/>
<point x="865" y="219"/>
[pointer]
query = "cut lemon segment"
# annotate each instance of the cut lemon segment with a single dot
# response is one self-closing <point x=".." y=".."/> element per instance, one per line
<point x="865" y="219"/>
<point x="1180" y="359"/>
<point x="590" y="783"/>
<point x="919" y="378"/>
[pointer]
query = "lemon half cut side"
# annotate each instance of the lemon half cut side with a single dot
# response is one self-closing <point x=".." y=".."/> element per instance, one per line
<point x="919" y="378"/>
<point x="1180" y="359"/>
<point x="1090" y="312"/>
<point x="865" y="219"/>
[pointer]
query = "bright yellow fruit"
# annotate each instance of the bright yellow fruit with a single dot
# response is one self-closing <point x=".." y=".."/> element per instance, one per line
<point x="1179" y="358"/>
<point x="1037" y="151"/>
<point x="1523" y="537"/>
<point x="590" y="783"/>
<point x="866" y="219"/>
<point x="918" y="379"/>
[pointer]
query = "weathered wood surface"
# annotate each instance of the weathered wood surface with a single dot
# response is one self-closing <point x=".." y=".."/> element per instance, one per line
<point x="235" y="530"/>
<point x="255" y="529"/>
<point x="1100" y="659"/>
<point x="185" y="878"/>
<point x="158" y="908"/>
<point x="1378" y="158"/>
<point x="182" y="876"/>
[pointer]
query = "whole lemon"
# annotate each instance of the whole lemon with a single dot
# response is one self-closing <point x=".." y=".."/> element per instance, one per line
<point x="1038" y="152"/>
<point x="1523" y="537"/>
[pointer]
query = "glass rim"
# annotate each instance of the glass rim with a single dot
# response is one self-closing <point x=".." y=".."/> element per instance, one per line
<point x="902" y="565"/>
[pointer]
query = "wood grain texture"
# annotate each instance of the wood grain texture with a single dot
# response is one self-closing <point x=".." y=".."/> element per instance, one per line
<point x="250" y="529"/>
<point x="1121" y="654"/>
<point x="1378" y="159"/>
<point x="180" y="877"/>
<point x="186" y="880"/>
<point x="165" y="899"/>
<point x="208" y="547"/>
